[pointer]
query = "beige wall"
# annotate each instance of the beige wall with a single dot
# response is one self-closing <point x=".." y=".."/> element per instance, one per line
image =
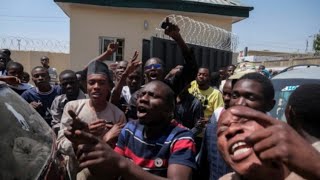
<point x="87" y="23"/>
<point x="31" y="59"/>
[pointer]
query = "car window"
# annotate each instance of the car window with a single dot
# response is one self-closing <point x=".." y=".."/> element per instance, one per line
<point x="283" y="89"/>
<point x="26" y="139"/>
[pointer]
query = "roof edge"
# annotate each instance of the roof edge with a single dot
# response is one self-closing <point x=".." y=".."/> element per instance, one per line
<point x="185" y="6"/>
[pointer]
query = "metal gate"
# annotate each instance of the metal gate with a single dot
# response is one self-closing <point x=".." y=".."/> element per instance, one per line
<point x="170" y="53"/>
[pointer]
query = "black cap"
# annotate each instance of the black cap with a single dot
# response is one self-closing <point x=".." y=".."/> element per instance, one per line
<point x="98" y="67"/>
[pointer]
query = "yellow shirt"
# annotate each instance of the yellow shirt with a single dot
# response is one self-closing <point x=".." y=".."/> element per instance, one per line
<point x="211" y="98"/>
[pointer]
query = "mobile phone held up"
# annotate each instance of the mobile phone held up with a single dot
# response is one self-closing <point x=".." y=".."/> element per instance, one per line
<point x="165" y="24"/>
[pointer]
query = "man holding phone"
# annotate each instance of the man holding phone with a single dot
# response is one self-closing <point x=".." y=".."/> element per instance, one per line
<point x="154" y="67"/>
<point x="98" y="116"/>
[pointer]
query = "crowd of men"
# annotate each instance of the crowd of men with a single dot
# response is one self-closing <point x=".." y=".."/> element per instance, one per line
<point x="189" y="123"/>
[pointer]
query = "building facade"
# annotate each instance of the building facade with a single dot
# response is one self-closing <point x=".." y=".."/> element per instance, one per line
<point x="94" y="23"/>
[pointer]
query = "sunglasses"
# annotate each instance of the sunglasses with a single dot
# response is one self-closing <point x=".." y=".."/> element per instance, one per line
<point x="153" y="66"/>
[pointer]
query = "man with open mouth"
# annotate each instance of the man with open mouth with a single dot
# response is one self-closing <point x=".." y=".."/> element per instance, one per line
<point x="154" y="67"/>
<point x="240" y="155"/>
<point x="251" y="90"/>
<point x="150" y="148"/>
<point x="256" y="145"/>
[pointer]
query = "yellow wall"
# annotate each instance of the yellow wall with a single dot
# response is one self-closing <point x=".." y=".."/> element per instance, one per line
<point x="31" y="59"/>
<point x="87" y="23"/>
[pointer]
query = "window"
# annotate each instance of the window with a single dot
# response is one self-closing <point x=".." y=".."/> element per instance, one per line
<point x="119" y="55"/>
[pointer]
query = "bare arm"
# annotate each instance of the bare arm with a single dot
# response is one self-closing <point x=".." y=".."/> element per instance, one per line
<point x="190" y="66"/>
<point x="173" y="31"/>
<point x="112" y="47"/>
<point x="132" y="66"/>
<point x="12" y="80"/>
<point x="174" y="72"/>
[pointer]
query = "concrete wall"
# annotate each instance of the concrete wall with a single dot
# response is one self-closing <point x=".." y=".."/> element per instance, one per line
<point x="31" y="59"/>
<point x="87" y="23"/>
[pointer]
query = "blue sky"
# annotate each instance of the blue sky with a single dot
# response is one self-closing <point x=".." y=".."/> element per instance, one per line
<point x="278" y="25"/>
<point x="40" y="19"/>
<point x="283" y="25"/>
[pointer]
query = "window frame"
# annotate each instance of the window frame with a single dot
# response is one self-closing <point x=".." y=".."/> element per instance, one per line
<point x="103" y="46"/>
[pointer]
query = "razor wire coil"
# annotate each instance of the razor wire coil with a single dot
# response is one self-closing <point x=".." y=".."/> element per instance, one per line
<point x="200" y="33"/>
<point x="27" y="44"/>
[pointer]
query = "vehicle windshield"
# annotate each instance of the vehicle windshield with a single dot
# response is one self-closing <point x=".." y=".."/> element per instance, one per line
<point x="283" y="89"/>
<point x="26" y="139"/>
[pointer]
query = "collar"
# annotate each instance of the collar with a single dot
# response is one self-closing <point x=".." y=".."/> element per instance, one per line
<point x="45" y="93"/>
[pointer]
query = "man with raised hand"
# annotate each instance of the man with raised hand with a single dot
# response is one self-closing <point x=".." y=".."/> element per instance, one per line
<point x="154" y="67"/>
<point x="128" y="82"/>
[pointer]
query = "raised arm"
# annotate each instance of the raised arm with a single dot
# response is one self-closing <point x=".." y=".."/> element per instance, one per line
<point x="112" y="47"/>
<point x="173" y="31"/>
<point x="132" y="66"/>
<point x="190" y="67"/>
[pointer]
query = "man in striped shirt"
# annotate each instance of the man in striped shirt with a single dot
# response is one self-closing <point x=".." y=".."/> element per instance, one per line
<point x="150" y="148"/>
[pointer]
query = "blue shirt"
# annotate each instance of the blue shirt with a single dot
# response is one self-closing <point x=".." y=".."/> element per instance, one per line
<point x="210" y="163"/>
<point x="46" y="99"/>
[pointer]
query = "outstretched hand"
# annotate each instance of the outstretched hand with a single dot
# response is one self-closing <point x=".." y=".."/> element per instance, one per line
<point x="75" y="125"/>
<point x="171" y="29"/>
<point x="134" y="63"/>
<point x="36" y="105"/>
<point x="96" y="155"/>
<point x="278" y="141"/>
<point x="177" y="70"/>
<point x="112" y="135"/>
<point x="112" y="47"/>
<point x="202" y="122"/>
<point x="98" y="127"/>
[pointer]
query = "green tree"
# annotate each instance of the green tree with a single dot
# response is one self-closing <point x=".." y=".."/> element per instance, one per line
<point x="316" y="44"/>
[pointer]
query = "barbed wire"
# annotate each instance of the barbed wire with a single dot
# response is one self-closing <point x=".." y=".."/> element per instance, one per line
<point x="200" y="33"/>
<point x="27" y="44"/>
<point x="222" y="2"/>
